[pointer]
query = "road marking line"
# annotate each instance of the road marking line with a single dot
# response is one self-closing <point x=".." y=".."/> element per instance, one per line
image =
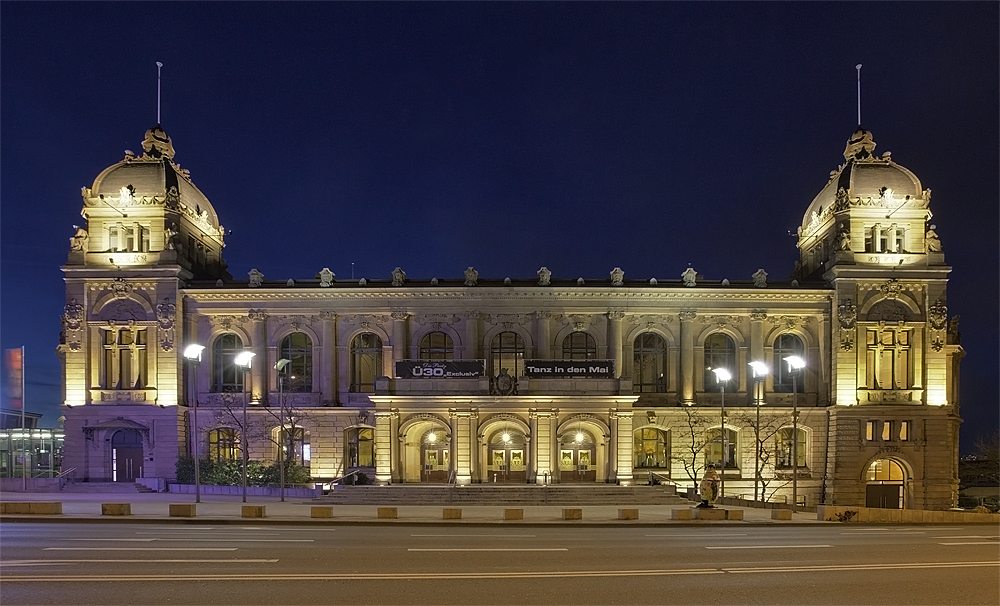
<point x="492" y="549"/>
<point x="119" y="540"/>
<point x="972" y="536"/>
<point x="699" y="535"/>
<point x="968" y="543"/>
<point x="227" y="540"/>
<point x="492" y="536"/>
<point x="895" y="533"/>
<point x="134" y="561"/>
<point x="767" y="546"/>
<point x="194" y="532"/>
<point x="852" y="567"/>
<point x="140" y="548"/>
<point x="38" y="563"/>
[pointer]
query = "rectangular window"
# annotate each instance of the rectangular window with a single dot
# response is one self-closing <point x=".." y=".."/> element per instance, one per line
<point x="870" y="430"/>
<point x="904" y="431"/>
<point x="887" y="358"/>
<point x="886" y="431"/>
<point x="113" y="239"/>
<point x="124" y="361"/>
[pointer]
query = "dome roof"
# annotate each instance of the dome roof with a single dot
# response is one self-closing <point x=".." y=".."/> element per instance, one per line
<point x="153" y="174"/>
<point x="864" y="176"/>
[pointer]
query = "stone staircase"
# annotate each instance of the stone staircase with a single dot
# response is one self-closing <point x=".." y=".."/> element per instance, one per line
<point x="504" y="494"/>
<point x="105" y="487"/>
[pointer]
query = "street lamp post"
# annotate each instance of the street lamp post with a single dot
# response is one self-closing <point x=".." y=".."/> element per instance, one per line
<point x="282" y="435"/>
<point x="795" y="366"/>
<point x="722" y="376"/>
<point x="245" y="359"/>
<point x="192" y="353"/>
<point x="759" y="373"/>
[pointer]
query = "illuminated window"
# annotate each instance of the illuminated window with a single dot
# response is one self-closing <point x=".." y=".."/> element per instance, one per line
<point x="507" y="351"/>
<point x="361" y="447"/>
<point x="888" y="358"/>
<point x="226" y="375"/>
<point x="579" y="346"/>
<point x="297" y="347"/>
<point x="870" y="430"/>
<point x="720" y="352"/>
<point x="786" y="345"/>
<point x="885" y="470"/>
<point x="649" y="364"/>
<point x="650" y="448"/>
<point x="900" y="240"/>
<point x="222" y="445"/>
<point x="715" y="445"/>
<point x="784" y="447"/>
<point x="904" y="431"/>
<point x="886" y="431"/>
<point x="366" y="362"/>
<point x="436" y="346"/>
<point x="295" y="441"/>
<point x="128" y="238"/>
<point x="125" y="358"/>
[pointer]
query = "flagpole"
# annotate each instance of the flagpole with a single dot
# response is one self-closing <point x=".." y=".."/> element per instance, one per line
<point x="24" y="447"/>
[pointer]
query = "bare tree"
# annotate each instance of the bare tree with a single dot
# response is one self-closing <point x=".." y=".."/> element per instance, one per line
<point x="765" y="428"/>
<point x="695" y="437"/>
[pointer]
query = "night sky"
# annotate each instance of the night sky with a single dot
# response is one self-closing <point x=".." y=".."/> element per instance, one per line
<point x="501" y="136"/>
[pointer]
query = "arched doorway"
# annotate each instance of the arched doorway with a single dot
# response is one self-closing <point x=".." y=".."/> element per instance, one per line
<point x="435" y="456"/>
<point x="126" y="455"/>
<point x="507" y="456"/>
<point x="577" y="456"/>
<point x="886" y="479"/>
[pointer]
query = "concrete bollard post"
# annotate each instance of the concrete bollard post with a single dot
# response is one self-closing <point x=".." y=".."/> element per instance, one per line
<point x="183" y="510"/>
<point x="116" y="509"/>
<point x="387" y="513"/>
<point x="321" y="512"/>
<point x="37" y="507"/>
<point x="734" y="514"/>
<point x="513" y="514"/>
<point x="254" y="511"/>
<point x="781" y="514"/>
<point x="572" y="514"/>
<point x="451" y="514"/>
<point x="680" y="514"/>
<point x="628" y="514"/>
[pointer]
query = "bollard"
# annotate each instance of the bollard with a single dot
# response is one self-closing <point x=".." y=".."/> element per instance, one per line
<point x="628" y="514"/>
<point x="253" y="511"/>
<point x="708" y="513"/>
<point x="116" y="509"/>
<point x="321" y="512"/>
<point x="781" y="514"/>
<point x="183" y="510"/>
<point x="680" y="514"/>
<point x="572" y="514"/>
<point x="451" y="514"/>
<point x="734" y="514"/>
<point x="513" y="514"/>
<point x="37" y="508"/>
<point x="387" y="513"/>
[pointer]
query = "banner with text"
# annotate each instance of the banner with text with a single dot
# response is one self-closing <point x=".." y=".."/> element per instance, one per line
<point x="14" y="375"/>
<point x="440" y="369"/>
<point x="593" y="369"/>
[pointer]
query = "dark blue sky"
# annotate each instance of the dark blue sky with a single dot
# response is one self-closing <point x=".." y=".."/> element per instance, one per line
<point x="503" y="136"/>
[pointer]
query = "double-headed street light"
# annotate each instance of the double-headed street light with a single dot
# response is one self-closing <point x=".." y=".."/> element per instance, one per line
<point x="245" y="359"/>
<point x="723" y="376"/>
<point x="760" y="371"/>
<point x="282" y="436"/>
<point x="192" y="353"/>
<point x="795" y="366"/>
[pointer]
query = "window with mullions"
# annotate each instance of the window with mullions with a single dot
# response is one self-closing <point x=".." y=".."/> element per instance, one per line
<point x="295" y="441"/>
<point x="507" y="351"/>
<point x="786" y="345"/>
<point x="579" y="346"/>
<point x="297" y="347"/>
<point x="650" y="448"/>
<point x="888" y="358"/>
<point x="436" y="346"/>
<point x="720" y="352"/>
<point x="226" y="375"/>
<point x="124" y="363"/>
<point x="361" y="447"/>
<point x="649" y="364"/>
<point x="366" y="362"/>
<point x="784" y="443"/>
<point x="714" y="447"/>
<point x="222" y="445"/>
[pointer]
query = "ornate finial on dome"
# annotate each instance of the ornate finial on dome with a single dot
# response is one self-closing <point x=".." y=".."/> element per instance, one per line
<point x="157" y="143"/>
<point x="860" y="146"/>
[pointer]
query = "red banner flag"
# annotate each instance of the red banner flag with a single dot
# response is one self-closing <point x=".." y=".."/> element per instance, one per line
<point x="14" y="361"/>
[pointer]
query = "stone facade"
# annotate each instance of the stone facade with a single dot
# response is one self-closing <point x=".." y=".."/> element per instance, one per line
<point x="542" y="380"/>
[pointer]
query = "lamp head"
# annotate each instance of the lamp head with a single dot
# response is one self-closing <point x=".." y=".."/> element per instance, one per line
<point x="245" y="359"/>
<point x="795" y="362"/>
<point x="722" y="374"/>
<point x="759" y="369"/>
<point x="281" y="364"/>
<point x="193" y="352"/>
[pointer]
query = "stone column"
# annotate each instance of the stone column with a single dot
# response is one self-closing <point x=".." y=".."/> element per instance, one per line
<point x="543" y="430"/>
<point x="543" y="350"/>
<point x="396" y="464"/>
<point x="462" y="440"/>
<point x="474" y="445"/>
<point x="613" y="446"/>
<point x="533" y="447"/>
<point x="756" y="351"/>
<point x="398" y="338"/>
<point x="623" y="443"/>
<point x="259" y="366"/>
<point x="328" y="364"/>
<point x="472" y="348"/>
<point x="615" y="318"/>
<point x="687" y="356"/>
<point x="384" y="440"/>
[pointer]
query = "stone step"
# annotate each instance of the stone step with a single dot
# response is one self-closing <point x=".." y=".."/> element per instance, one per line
<point x="503" y="495"/>
<point x="101" y="487"/>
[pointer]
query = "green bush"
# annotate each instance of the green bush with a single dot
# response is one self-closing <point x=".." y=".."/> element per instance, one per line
<point x="230" y="473"/>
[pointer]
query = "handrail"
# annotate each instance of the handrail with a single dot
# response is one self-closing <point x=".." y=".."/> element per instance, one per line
<point x="663" y="479"/>
<point x="341" y="479"/>
<point x="65" y="473"/>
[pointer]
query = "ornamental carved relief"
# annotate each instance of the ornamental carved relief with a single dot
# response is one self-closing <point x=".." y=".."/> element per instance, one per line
<point x="847" y="343"/>
<point x="888" y="310"/>
<point x="326" y="278"/>
<point x="507" y="321"/>
<point x="687" y="314"/>
<point x="720" y="321"/>
<point x="165" y="321"/>
<point x="544" y="277"/>
<point x="436" y="319"/>
<point x="937" y="315"/>
<point x="471" y="277"/>
<point x="73" y="315"/>
<point x="616" y="314"/>
<point x="847" y="314"/>
<point x="789" y="322"/>
<point x="891" y="288"/>
<point x="689" y="277"/>
<point x="257" y="315"/>
<point x="120" y="288"/>
<point x="758" y="314"/>
<point x="256" y="278"/>
<point x="365" y="320"/>
<point x="398" y="277"/>
<point x="327" y="315"/>
<point x="226" y="322"/>
<point x="617" y="277"/>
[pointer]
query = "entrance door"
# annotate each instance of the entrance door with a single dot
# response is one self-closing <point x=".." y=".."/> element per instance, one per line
<point x="885" y="496"/>
<point x="577" y="458"/>
<point x="435" y="457"/>
<point x="506" y="462"/>
<point x="126" y="455"/>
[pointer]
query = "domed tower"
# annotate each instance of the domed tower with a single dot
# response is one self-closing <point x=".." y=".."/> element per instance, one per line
<point x="148" y="231"/>
<point x="894" y="351"/>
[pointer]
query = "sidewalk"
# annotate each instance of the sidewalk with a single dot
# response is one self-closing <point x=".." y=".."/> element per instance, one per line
<point x="218" y="509"/>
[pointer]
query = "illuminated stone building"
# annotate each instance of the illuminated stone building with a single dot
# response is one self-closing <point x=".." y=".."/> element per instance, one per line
<point x="540" y="380"/>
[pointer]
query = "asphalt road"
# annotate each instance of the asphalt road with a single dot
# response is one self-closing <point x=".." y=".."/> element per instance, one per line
<point x="435" y="564"/>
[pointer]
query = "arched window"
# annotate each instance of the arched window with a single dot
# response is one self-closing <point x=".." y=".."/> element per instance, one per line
<point x="784" y="447"/>
<point x="649" y="364"/>
<point x="507" y="351"/>
<point x="361" y="447"/>
<point x="720" y="352"/>
<point x="295" y="441"/>
<point x="786" y="345"/>
<point x="366" y="362"/>
<point x="650" y="448"/>
<point x="222" y="445"/>
<point x="436" y="346"/>
<point x="579" y="346"/>
<point x="715" y="446"/>
<point x="226" y="375"/>
<point x="297" y="347"/>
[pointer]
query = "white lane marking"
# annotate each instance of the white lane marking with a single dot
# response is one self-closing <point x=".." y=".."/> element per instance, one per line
<point x="768" y="546"/>
<point x="140" y="548"/>
<point x="971" y="536"/>
<point x="194" y="532"/>
<point x="492" y="536"/>
<point x="492" y="549"/>
<point x="114" y="540"/>
<point x="134" y="561"/>
<point x="228" y="540"/>
<point x="735" y="534"/>
<point x="969" y="543"/>
<point x="38" y="563"/>
<point x="894" y="534"/>
<point x="851" y="567"/>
